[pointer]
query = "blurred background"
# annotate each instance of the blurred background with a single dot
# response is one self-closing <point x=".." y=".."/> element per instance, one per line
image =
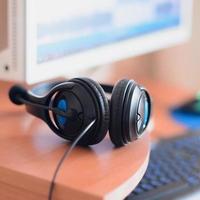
<point x="178" y="65"/>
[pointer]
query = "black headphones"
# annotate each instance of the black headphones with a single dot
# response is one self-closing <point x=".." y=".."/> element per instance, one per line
<point x="69" y="106"/>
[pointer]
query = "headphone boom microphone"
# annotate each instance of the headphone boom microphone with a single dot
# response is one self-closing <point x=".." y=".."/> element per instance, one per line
<point x="18" y="94"/>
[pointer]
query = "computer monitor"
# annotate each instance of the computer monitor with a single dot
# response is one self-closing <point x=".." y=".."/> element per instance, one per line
<point x="47" y="39"/>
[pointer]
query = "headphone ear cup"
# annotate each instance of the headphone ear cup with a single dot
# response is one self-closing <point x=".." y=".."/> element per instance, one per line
<point x="126" y="112"/>
<point x="102" y="109"/>
<point x="116" y="112"/>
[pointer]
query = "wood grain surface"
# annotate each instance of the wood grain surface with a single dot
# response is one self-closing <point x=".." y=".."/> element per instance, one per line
<point x="29" y="153"/>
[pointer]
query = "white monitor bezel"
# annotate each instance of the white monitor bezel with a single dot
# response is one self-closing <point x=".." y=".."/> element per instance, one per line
<point x="74" y="64"/>
<point x="13" y="57"/>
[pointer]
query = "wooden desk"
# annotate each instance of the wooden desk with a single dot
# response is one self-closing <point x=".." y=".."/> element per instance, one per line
<point x="29" y="153"/>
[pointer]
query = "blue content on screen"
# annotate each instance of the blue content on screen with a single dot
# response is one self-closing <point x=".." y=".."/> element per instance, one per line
<point x="81" y="33"/>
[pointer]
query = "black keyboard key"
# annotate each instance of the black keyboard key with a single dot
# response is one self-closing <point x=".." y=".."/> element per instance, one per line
<point x="138" y="191"/>
<point x="193" y="180"/>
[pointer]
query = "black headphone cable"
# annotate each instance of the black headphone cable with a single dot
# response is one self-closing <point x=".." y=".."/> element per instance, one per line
<point x="65" y="156"/>
<point x="69" y="114"/>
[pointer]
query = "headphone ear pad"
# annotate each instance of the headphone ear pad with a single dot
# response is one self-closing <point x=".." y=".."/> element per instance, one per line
<point x="116" y="132"/>
<point x="102" y="109"/>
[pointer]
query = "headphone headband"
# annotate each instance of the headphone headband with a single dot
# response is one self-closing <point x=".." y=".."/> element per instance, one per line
<point x="44" y="88"/>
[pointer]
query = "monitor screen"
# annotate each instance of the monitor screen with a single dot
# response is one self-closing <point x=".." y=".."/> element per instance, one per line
<point x="65" y="27"/>
<point x="65" y="37"/>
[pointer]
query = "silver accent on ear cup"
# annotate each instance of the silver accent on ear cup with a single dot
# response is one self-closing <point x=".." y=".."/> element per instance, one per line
<point x="50" y="112"/>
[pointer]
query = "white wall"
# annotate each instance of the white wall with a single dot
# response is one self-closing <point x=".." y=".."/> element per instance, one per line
<point x="181" y="65"/>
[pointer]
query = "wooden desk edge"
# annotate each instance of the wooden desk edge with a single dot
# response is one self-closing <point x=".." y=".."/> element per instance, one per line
<point x="126" y="188"/>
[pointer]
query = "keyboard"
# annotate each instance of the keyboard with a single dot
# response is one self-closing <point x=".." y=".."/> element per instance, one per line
<point x="173" y="170"/>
